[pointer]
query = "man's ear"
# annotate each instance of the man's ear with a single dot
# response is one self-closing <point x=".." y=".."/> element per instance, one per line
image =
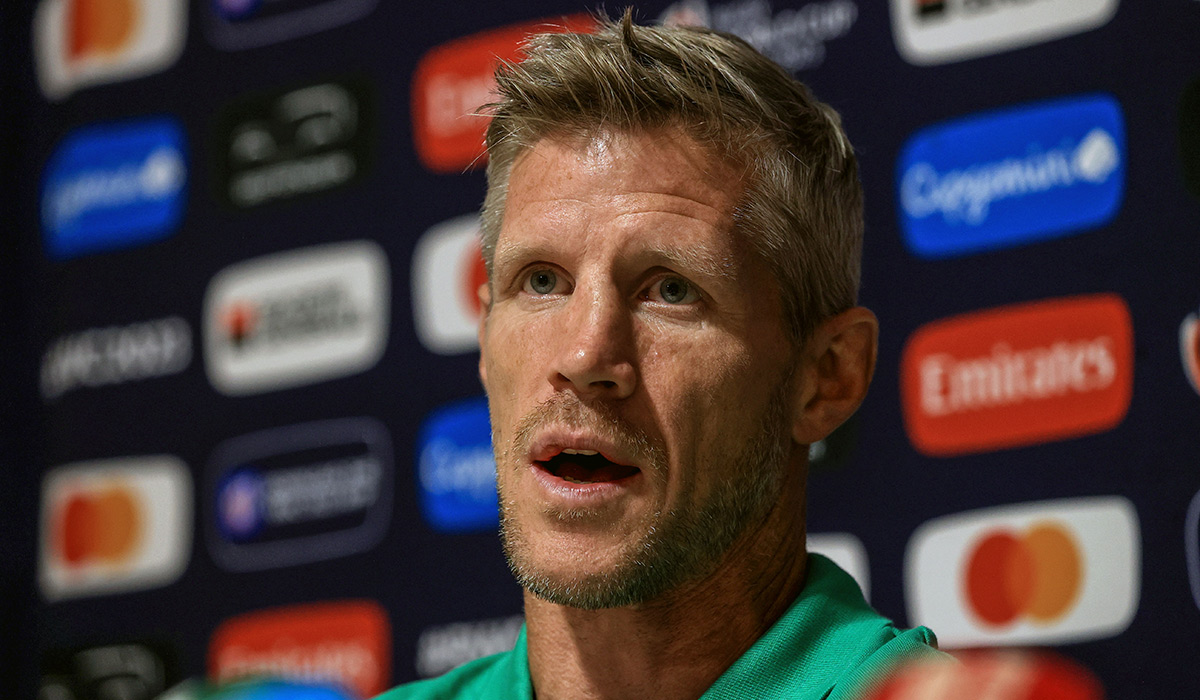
<point x="485" y="305"/>
<point x="836" y="368"/>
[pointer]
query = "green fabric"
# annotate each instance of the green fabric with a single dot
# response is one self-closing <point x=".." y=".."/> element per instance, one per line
<point x="829" y="645"/>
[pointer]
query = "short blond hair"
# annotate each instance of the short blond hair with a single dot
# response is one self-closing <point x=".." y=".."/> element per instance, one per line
<point x="802" y="206"/>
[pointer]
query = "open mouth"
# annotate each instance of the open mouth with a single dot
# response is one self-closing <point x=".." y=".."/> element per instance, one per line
<point x="586" y="467"/>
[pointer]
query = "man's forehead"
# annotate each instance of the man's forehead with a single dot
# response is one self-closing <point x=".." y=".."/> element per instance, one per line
<point x="634" y="194"/>
<point x="663" y="160"/>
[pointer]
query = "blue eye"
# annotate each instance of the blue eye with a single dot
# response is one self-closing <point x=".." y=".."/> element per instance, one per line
<point x="543" y="281"/>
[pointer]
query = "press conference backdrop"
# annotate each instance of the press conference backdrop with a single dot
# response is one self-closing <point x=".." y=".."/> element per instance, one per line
<point x="247" y="431"/>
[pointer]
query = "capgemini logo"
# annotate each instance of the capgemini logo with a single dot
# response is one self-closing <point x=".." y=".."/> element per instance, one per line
<point x="114" y="185"/>
<point x="967" y="195"/>
<point x="1014" y="176"/>
<point x="456" y="469"/>
<point x="159" y="176"/>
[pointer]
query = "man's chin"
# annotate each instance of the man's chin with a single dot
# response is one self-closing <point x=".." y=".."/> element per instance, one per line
<point x="589" y="568"/>
<point x="595" y="590"/>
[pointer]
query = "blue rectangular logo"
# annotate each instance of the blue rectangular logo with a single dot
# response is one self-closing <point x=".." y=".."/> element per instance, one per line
<point x="114" y="186"/>
<point x="456" y="469"/>
<point x="1014" y="176"/>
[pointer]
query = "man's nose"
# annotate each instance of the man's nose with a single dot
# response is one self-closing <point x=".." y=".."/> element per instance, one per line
<point x="595" y="355"/>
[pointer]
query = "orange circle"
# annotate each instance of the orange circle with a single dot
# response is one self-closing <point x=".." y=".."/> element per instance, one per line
<point x="120" y="525"/>
<point x="101" y="26"/>
<point x="1059" y="571"/>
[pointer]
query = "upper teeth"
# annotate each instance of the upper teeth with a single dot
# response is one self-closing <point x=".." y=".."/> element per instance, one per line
<point x="580" y="452"/>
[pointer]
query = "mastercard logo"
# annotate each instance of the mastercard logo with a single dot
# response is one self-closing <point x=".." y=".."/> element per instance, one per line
<point x="90" y="42"/>
<point x="1041" y="573"/>
<point x="103" y="526"/>
<point x="114" y="525"/>
<point x="1035" y="574"/>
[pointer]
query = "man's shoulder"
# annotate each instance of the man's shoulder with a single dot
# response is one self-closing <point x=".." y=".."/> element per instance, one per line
<point x="492" y="677"/>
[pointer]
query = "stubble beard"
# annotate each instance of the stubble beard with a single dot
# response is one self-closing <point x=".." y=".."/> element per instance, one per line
<point x="679" y="545"/>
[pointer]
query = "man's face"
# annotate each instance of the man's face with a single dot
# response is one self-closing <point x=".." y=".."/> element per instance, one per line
<point x="637" y="368"/>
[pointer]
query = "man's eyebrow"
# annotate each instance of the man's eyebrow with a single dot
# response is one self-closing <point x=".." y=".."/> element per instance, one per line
<point x="697" y="259"/>
<point x="514" y="252"/>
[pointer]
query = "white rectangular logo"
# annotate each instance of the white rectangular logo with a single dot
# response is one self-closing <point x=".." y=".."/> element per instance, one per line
<point x="929" y="32"/>
<point x="296" y="318"/>
<point x="1050" y="572"/>
<point x="90" y="42"/>
<point x="114" y="525"/>
<point x="446" y="274"/>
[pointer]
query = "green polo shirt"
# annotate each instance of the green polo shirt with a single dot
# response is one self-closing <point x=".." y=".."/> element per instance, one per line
<point x="829" y="645"/>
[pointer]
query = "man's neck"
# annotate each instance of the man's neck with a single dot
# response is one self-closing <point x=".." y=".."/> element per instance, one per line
<point x="676" y="647"/>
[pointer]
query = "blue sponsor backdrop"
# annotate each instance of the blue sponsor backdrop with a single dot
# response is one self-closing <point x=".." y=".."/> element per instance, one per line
<point x="1053" y="169"/>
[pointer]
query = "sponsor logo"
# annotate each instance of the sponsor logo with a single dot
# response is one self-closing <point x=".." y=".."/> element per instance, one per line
<point x="454" y="80"/>
<point x="930" y="32"/>
<point x="795" y="38"/>
<point x="346" y="643"/>
<point x="456" y="468"/>
<point x="1018" y="375"/>
<point x="1189" y="136"/>
<point x="243" y="24"/>
<point x="992" y="675"/>
<point x="299" y="494"/>
<point x="447" y="272"/>
<point x="115" y="355"/>
<point x="114" y="525"/>
<point x="1052" y="572"/>
<point x="1015" y="176"/>
<point x="135" y="671"/>
<point x="295" y="143"/>
<point x="77" y="43"/>
<point x="296" y="318"/>
<point x="444" y="647"/>
<point x="1189" y="348"/>
<point x="114" y="186"/>
<point x="846" y="551"/>
<point x="1191" y="536"/>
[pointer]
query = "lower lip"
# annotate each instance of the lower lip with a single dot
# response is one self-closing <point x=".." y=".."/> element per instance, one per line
<point x="590" y="493"/>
